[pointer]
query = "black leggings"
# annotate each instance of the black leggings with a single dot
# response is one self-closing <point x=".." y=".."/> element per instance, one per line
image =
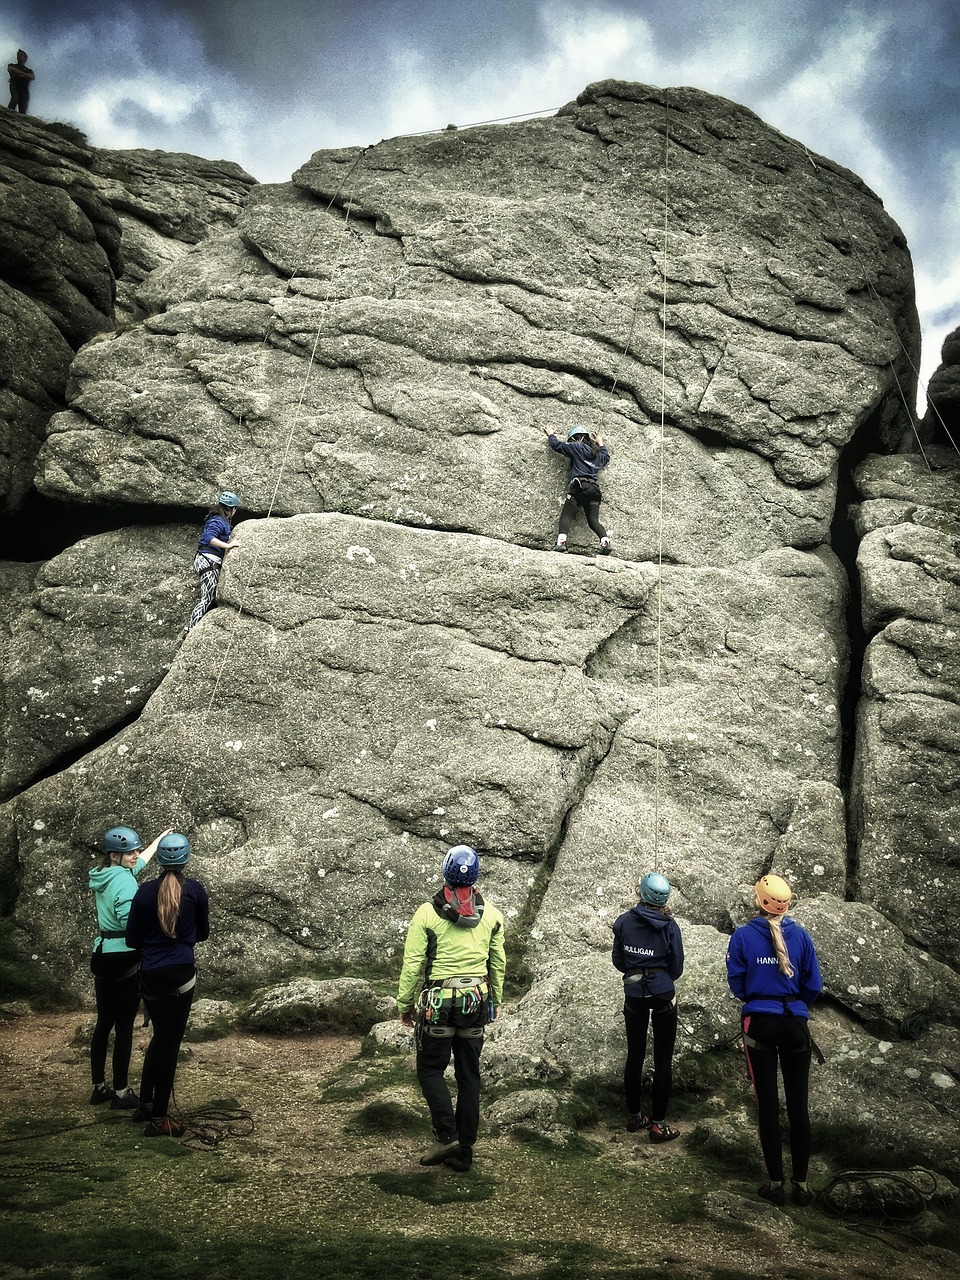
<point x="637" y="1016"/>
<point x="585" y="498"/>
<point x="784" y="1039"/>
<point x="117" y="1001"/>
<point x="168" y="1014"/>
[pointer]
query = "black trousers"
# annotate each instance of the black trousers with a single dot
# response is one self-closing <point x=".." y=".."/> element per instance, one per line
<point x="433" y="1057"/>
<point x="783" y="1041"/>
<point x="585" y="498"/>
<point x="117" y="1000"/>
<point x="638" y="1016"/>
<point x="168" y="1015"/>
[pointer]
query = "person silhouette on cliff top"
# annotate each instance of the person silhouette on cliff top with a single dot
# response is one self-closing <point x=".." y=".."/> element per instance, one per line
<point x="20" y="78"/>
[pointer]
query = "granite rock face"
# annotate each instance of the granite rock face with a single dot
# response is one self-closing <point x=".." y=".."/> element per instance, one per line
<point x="399" y="662"/>
<point x="79" y="229"/>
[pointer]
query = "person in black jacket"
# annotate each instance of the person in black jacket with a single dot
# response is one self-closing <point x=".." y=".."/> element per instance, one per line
<point x="587" y="455"/>
<point x="167" y="918"/>
<point x="648" y="951"/>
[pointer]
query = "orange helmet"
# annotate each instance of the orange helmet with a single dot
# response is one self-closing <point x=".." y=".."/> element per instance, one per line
<point x="773" y="895"/>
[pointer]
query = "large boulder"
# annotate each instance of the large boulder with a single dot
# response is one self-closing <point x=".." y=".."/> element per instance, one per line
<point x="79" y="230"/>
<point x="906" y="794"/>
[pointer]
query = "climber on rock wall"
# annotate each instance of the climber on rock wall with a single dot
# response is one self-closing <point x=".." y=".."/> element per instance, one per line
<point x="215" y="541"/>
<point x="588" y="456"/>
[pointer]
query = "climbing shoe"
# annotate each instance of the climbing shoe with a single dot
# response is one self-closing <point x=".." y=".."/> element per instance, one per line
<point x="460" y="1161"/>
<point x="164" y="1127"/>
<point x="100" y="1095"/>
<point x="662" y="1132"/>
<point x="143" y="1112"/>
<point x="560" y="546"/>
<point x="773" y="1192"/>
<point x="636" y="1123"/>
<point x="124" y="1100"/>
<point x="440" y="1151"/>
<point x="801" y="1193"/>
<point x="605" y="546"/>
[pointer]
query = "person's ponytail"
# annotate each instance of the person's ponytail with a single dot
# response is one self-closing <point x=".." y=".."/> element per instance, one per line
<point x="780" y="946"/>
<point x="168" y="902"/>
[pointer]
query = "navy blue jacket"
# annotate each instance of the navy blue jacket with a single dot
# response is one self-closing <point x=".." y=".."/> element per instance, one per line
<point x="754" y="975"/>
<point x="644" y="938"/>
<point x="143" y="925"/>
<point x="583" y="465"/>
<point x="214" y="526"/>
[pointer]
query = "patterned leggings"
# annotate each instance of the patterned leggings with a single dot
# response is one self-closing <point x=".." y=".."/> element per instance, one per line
<point x="209" y="571"/>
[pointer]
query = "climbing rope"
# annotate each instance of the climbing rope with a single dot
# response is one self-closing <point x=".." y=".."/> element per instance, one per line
<point x="663" y="400"/>
<point x="892" y="1196"/>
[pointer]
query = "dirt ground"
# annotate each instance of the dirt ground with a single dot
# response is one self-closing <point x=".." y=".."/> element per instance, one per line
<point x="284" y="1149"/>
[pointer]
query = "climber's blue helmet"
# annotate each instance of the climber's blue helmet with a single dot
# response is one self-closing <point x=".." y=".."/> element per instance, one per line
<point x="654" y="889"/>
<point x="121" y="840"/>
<point x="577" y="431"/>
<point x="461" y="866"/>
<point x="228" y="499"/>
<point x="173" y="850"/>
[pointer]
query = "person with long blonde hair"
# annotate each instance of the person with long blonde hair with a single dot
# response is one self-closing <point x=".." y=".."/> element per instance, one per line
<point x="772" y="969"/>
<point x="168" y="917"/>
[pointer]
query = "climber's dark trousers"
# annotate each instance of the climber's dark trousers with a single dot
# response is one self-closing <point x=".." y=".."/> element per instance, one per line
<point x="585" y="498"/>
<point x="785" y="1039"/>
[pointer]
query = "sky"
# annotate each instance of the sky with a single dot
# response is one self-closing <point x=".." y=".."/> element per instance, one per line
<point x="874" y="85"/>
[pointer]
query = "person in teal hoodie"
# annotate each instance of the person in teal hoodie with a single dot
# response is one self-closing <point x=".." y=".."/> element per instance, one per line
<point x="772" y="968"/>
<point x="114" y="965"/>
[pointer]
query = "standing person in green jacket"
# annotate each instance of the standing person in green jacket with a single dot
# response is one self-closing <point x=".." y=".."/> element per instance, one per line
<point x="454" y="957"/>
<point x="115" y="967"/>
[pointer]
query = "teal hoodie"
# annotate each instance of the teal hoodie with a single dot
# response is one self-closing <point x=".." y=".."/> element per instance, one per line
<point x="114" y="887"/>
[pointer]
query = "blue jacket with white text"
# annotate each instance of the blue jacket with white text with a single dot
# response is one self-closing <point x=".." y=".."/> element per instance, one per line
<point x="754" y="975"/>
<point x="645" y="939"/>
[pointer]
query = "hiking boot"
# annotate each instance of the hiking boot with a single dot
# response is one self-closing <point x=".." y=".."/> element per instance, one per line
<point x="775" y="1194"/>
<point x="164" y="1127"/>
<point x="662" y="1132"/>
<point x="439" y="1152"/>
<point x="802" y="1194"/>
<point x="100" y="1095"/>
<point x="460" y="1161"/>
<point x="143" y="1112"/>
<point x="636" y="1123"/>
<point x="124" y="1100"/>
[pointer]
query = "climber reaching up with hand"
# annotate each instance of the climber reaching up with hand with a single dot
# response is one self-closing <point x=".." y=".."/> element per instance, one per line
<point x="588" y="455"/>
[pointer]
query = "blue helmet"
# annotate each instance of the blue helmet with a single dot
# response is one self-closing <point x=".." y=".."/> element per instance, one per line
<point x="173" y="850"/>
<point x="121" y="840"/>
<point x="577" y="431"/>
<point x="461" y="866"/>
<point x="228" y="499"/>
<point x="654" y="889"/>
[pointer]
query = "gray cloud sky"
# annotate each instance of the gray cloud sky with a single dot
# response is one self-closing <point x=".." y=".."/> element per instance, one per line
<point x="874" y="86"/>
